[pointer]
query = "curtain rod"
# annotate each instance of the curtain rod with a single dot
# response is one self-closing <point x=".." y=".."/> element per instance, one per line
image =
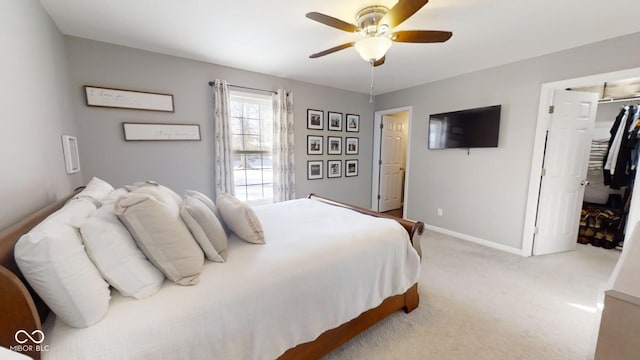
<point x="247" y="88"/>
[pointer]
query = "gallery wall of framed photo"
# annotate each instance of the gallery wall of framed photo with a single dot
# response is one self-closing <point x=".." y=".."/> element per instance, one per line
<point x="333" y="134"/>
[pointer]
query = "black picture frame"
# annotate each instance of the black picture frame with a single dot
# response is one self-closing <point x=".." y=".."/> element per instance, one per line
<point x="352" y="124"/>
<point x="314" y="169"/>
<point x="314" y="145"/>
<point x="351" y="168"/>
<point x="315" y="119"/>
<point x="334" y="145"/>
<point x="334" y="168"/>
<point x="352" y="146"/>
<point x="334" y="121"/>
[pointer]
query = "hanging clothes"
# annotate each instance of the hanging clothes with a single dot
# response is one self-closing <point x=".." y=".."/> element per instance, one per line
<point x="614" y="139"/>
<point x="619" y="167"/>
<point x="618" y="162"/>
<point x="634" y="144"/>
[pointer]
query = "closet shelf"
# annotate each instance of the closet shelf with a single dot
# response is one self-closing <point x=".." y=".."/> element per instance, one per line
<point x="606" y="101"/>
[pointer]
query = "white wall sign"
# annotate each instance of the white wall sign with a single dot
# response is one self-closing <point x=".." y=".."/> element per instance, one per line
<point x="128" y="99"/>
<point x="151" y="132"/>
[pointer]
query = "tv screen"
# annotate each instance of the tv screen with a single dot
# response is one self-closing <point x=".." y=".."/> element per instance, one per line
<point x="471" y="128"/>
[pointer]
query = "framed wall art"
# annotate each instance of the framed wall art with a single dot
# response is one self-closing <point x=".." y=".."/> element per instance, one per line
<point x="350" y="168"/>
<point x="353" y="123"/>
<point x="314" y="169"/>
<point x="335" y="121"/>
<point x="160" y="132"/>
<point x="334" y="145"/>
<point x="352" y="146"/>
<point x="315" y="119"/>
<point x="128" y="99"/>
<point x="334" y="168"/>
<point x="314" y="145"/>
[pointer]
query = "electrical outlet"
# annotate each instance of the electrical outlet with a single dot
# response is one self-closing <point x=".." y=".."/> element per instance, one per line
<point x="439" y="211"/>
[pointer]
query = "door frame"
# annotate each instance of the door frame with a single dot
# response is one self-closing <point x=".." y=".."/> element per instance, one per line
<point x="537" y="159"/>
<point x="377" y="144"/>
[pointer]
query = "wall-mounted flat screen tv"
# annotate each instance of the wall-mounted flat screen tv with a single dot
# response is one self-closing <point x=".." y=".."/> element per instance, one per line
<point x="471" y="128"/>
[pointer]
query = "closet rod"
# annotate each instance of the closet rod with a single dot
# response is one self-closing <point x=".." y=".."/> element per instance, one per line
<point x="606" y="101"/>
<point x="247" y="88"/>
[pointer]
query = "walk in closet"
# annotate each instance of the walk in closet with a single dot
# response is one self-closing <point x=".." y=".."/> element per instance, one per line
<point x="612" y="166"/>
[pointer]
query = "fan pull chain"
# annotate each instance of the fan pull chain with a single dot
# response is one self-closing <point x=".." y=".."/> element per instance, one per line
<point x="371" y="91"/>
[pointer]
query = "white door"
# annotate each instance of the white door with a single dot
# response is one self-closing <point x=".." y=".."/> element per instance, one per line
<point x="564" y="171"/>
<point x="392" y="163"/>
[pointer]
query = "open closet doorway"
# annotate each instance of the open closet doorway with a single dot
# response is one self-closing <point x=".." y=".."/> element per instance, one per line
<point x="538" y="233"/>
<point x="607" y="198"/>
<point x="390" y="160"/>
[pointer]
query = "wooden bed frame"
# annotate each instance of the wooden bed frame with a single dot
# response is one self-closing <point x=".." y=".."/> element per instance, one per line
<point x="22" y="308"/>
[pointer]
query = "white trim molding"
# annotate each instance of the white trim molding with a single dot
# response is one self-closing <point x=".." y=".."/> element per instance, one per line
<point x="476" y="240"/>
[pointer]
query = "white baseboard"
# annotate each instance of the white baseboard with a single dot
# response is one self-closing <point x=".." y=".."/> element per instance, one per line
<point x="475" y="240"/>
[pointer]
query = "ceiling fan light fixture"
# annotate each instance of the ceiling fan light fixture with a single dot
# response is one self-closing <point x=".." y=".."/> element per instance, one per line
<point x="372" y="47"/>
<point x="374" y="24"/>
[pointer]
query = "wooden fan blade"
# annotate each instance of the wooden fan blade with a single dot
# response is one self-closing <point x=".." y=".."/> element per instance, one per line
<point x="379" y="61"/>
<point x="333" y="22"/>
<point x="332" y="50"/>
<point x="421" y="36"/>
<point x="402" y="11"/>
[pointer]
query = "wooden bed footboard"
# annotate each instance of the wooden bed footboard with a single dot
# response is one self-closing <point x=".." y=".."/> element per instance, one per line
<point x="22" y="309"/>
<point x="414" y="228"/>
<point x="332" y="339"/>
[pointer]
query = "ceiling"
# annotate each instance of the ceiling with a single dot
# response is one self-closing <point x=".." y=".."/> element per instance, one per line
<point x="274" y="37"/>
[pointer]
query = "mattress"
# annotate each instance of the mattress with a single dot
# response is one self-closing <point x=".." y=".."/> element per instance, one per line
<point x="321" y="266"/>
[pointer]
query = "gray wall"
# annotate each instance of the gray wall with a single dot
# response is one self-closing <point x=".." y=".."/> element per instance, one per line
<point x="484" y="194"/>
<point x="35" y="110"/>
<point x="186" y="164"/>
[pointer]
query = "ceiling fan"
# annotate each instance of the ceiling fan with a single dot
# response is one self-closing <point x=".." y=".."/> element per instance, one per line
<point x="374" y="23"/>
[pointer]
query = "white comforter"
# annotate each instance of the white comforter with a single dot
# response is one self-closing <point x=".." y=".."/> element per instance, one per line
<point x="321" y="266"/>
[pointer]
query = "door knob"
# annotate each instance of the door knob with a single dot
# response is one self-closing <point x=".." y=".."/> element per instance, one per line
<point x="584" y="182"/>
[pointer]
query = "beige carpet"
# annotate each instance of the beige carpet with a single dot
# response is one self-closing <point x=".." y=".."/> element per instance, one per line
<point x="479" y="303"/>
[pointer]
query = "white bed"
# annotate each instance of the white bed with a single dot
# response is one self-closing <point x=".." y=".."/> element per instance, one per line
<point x="321" y="266"/>
<point x="327" y="272"/>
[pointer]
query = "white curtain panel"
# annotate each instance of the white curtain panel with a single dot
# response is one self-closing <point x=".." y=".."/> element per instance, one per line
<point x="222" y="127"/>
<point x="284" y="182"/>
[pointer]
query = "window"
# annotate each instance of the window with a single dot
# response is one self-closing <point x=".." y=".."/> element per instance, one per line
<point x="251" y="138"/>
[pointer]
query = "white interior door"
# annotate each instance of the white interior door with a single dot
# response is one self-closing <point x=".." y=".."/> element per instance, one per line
<point x="565" y="171"/>
<point x="392" y="163"/>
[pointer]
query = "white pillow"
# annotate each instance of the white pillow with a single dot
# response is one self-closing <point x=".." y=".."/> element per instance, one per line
<point x="205" y="200"/>
<point x="96" y="189"/>
<point x="162" y="236"/>
<point x="114" y="195"/>
<point x="206" y="228"/>
<point x="209" y="203"/>
<point x="240" y="218"/>
<point x="53" y="260"/>
<point x="160" y="192"/>
<point x="115" y="254"/>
